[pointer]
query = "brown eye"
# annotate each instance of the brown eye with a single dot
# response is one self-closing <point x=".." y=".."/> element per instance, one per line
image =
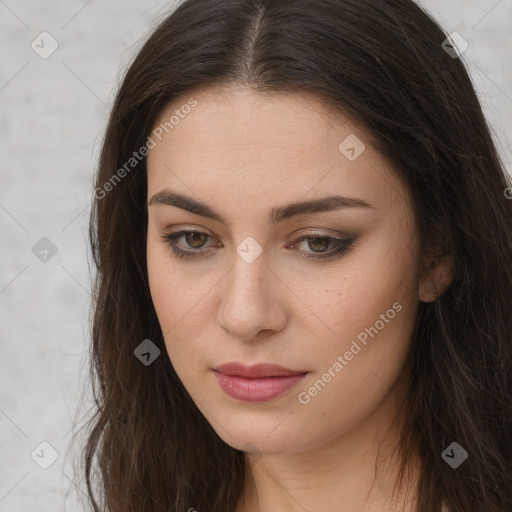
<point x="195" y="239"/>
<point x="317" y="246"/>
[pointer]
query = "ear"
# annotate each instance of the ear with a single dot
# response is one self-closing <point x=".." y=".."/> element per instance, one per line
<point x="437" y="274"/>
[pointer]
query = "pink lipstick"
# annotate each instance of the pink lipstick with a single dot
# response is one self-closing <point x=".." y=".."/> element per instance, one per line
<point x="257" y="383"/>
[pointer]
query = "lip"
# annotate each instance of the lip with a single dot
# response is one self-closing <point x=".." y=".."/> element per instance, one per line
<point x="257" y="371"/>
<point x="257" y="383"/>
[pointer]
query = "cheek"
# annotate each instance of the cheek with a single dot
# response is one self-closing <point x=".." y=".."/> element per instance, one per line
<point x="366" y="285"/>
<point x="370" y="311"/>
<point x="180" y="304"/>
<point x="372" y="315"/>
<point x="371" y="336"/>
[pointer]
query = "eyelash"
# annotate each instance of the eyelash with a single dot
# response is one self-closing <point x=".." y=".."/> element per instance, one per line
<point x="341" y="245"/>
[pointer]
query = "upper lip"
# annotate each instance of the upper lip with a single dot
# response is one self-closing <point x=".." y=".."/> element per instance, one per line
<point x="257" y="370"/>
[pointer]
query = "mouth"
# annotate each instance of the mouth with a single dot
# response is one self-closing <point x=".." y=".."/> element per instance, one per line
<point x="257" y="371"/>
<point x="257" y="383"/>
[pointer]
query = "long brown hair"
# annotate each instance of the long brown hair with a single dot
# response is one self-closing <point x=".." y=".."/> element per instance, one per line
<point x="383" y="63"/>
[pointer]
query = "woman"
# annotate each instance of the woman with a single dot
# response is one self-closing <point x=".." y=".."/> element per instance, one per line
<point x="304" y="241"/>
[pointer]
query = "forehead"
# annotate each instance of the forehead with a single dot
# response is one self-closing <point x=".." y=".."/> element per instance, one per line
<point x="244" y="118"/>
<point x="237" y="141"/>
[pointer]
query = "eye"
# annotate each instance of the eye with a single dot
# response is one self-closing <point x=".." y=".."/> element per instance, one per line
<point x="195" y="239"/>
<point x="317" y="242"/>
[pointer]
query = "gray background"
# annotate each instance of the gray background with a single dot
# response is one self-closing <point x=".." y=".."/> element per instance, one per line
<point x="52" y="116"/>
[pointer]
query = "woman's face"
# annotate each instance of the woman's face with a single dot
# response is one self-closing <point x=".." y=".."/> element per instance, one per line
<point x="263" y="282"/>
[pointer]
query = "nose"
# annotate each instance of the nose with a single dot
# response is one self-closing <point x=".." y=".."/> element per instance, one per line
<point x="252" y="300"/>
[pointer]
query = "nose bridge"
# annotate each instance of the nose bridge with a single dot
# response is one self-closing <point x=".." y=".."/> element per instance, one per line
<point x="247" y="297"/>
<point x="247" y="282"/>
<point x="249" y="273"/>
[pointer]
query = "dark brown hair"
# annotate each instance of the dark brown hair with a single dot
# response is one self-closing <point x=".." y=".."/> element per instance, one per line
<point x="381" y="62"/>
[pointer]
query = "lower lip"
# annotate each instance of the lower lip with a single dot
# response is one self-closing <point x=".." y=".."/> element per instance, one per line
<point x="256" y="390"/>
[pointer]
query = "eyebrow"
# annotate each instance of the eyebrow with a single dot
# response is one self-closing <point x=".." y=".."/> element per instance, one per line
<point x="276" y="215"/>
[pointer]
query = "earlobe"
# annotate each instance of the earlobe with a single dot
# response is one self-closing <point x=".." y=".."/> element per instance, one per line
<point x="438" y="276"/>
<point x="427" y="289"/>
<point x="444" y="272"/>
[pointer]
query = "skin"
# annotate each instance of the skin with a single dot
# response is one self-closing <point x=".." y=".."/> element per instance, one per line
<point x="244" y="153"/>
